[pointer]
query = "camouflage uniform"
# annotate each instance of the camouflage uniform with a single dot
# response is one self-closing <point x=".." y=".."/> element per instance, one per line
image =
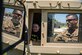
<point x="34" y="37"/>
<point x="17" y="25"/>
<point x="67" y="37"/>
<point x="8" y="24"/>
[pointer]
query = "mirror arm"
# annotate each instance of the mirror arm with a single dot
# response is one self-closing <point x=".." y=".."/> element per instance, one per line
<point x="11" y="46"/>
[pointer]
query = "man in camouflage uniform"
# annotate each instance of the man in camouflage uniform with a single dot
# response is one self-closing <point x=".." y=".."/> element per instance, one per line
<point x="13" y="25"/>
<point x="71" y="34"/>
<point x="17" y="21"/>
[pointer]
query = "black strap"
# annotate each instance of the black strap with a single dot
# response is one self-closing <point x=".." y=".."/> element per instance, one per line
<point x="1" y="19"/>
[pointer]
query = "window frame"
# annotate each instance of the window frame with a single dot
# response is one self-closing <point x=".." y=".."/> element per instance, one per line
<point x="44" y="26"/>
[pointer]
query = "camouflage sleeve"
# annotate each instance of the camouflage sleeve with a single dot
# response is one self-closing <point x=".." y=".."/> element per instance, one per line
<point x="8" y="24"/>
<point x="61" y="37"/>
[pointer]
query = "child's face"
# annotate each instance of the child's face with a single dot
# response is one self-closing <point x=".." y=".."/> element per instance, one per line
<point x="36" y="27"/>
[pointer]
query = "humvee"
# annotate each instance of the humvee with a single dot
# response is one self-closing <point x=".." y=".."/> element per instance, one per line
<point x="51" y="18"/>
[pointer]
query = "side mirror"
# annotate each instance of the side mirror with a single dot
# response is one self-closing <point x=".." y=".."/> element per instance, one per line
<point x="13" y="31"/>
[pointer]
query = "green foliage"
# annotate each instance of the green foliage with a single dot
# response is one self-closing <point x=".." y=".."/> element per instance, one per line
<point x="59" y="24"/>
<point x="5" y="53"/>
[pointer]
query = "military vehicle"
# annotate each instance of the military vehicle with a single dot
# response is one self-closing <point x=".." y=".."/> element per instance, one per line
<point x="50" y="17"/>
